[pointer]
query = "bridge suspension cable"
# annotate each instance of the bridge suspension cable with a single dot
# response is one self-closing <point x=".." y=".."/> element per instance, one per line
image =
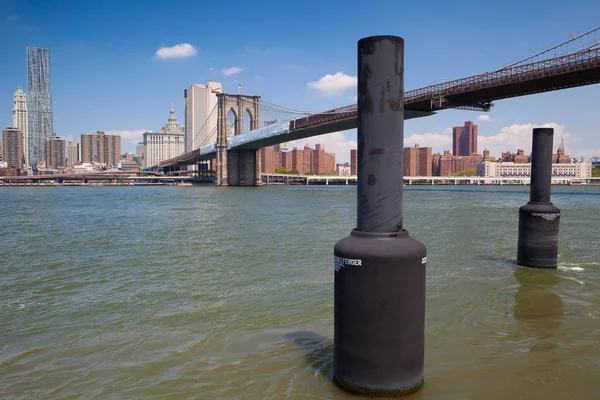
<point x="187" y="148"/>
<point x="586" y="35"/>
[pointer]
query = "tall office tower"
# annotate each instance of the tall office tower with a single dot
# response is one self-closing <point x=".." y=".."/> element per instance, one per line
<point x="20" y="120"/>
<point x="72" y="153"/>
<point x="55" y="152"/>
<point x="39" y="102"/>
<point x="12" y="143"/>
<point x="201" y="114"/>
<point x="464" y="139"/>
<point x="101" y="148"/>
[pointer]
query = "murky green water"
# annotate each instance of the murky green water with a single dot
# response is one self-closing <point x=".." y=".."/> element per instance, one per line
<point x="200" y="292"/>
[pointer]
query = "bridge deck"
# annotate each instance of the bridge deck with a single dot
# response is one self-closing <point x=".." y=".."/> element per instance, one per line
<point x="475" y="92"/>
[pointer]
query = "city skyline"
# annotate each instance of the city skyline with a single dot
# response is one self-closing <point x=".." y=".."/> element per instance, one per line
<point x="291" y="69"/>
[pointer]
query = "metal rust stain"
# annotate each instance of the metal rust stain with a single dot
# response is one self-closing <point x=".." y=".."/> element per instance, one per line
<point x="363" y="79"/>
<point x="375" y="152"/>
<point x="371" y="180"/>
<point x="396" y="105"/>
<point x="382" y="100"/>
<point x="388" y="85"/>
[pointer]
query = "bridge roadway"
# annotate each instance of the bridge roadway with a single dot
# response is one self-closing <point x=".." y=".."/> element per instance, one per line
<point x="476" y="93"/>
<point x="287" y="179"/>
<point x="96" y="176"/>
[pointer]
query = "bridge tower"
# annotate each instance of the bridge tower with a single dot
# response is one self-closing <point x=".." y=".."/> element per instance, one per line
<point x="236" y="167"/>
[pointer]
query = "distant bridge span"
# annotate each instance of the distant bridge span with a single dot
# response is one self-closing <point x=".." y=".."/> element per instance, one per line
<point x="477" y="92"/>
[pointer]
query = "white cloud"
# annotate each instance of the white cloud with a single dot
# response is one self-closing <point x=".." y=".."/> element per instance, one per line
<point x="353" y="98"/>
<point x="330" y="85"/>
<point x="12" y="18"/>
<point x="448" y="130"/>
<point x="436" y="141"/>
<point x="484" y="117"/>
<point x="518" y="136"/>
<point x="231" y="71"/>
<point x="335" y="142"/>
<point x="182" y="50"/>
<point x="211" y="69"/>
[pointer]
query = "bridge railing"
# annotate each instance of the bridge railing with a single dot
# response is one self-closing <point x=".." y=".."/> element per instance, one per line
<point x="554" y="66"/>
<point x="338" y="114"/>
<point x="207" y="149"/>
<point x="258" y="134"/>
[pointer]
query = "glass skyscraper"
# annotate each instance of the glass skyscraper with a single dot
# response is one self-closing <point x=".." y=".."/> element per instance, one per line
<point x="39" y="102"/>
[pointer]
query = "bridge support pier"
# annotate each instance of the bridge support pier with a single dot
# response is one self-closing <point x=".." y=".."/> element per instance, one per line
<point x="237" y="167"/>
<point x="243" y="168"/>
<point x="379" y="284"/>
<point x="539" y="219"/>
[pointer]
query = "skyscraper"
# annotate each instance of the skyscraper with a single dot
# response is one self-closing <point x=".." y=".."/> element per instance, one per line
<point x="72" y="153"/>
<point x="40" y="103"/>
<point x="464" y="139"/>
<point x="20" y="120"/>
<point x="55" y="152"/>
<point x="12" y="140"/>
<point x="201" y="114"/>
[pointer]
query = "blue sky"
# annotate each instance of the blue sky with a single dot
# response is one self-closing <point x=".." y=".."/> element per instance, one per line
<point x="106" y="75"/>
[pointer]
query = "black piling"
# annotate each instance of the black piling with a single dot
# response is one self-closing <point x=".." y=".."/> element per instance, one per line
<point x="539" y="219"/>
<point x="379" y="268"/>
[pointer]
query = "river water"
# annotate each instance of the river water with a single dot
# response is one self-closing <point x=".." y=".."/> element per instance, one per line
<point x="227" y="293"/>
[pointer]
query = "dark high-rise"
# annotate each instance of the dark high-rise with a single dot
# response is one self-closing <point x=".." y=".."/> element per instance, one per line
<point x="39" y="102"/>
<point x="464" y="139"/>
<point x="12" y="141"/>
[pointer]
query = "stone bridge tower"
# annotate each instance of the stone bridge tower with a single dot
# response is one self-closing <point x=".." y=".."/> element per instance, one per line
<point x="236" y="167"/>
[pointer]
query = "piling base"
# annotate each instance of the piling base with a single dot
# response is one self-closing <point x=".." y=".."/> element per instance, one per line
<point x="379" y="313"/>
<point x="538" y="235"/>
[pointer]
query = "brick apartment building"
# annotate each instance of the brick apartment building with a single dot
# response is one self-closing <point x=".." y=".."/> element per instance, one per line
<point x="307" y="160"/>
<point x="417" y="161"/>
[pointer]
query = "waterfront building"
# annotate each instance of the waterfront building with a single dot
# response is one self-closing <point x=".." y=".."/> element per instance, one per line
<point x="451" y="164"/>
<point x="297" y="160"/>
<point x="286" y="160"/>
<point x="316" y="160"/>
<point x="417" y="161"/>
<point x="322" y="163"/>
<point x="140" y="150"/>
<point x="127" y="157"/>
<point x="128" y="166"/>
<point x="39" y="102"/>
<point x="343" y="169"/>
<point x="560" y="157"/>
<point x="491" y="169"/>
<point x="201" y="114"/>
<point x="73" y="151"/>
<point x="353" y="162"/>
<point x="55" y="153"/>
<point x="167" y="143"/>
<point x="101" y="148"/>
<point x="20" y="120"/>
<point x="12" y="145"/>
<point x="464" y="139"/>
<point x="270" y="159"/>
